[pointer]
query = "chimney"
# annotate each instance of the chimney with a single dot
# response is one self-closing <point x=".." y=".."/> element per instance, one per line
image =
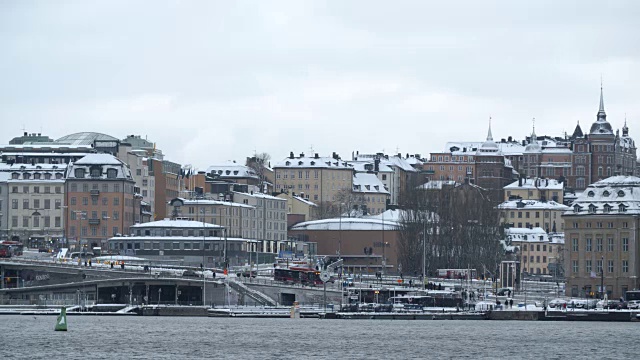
<point x="301" y="155"/>
<point x="25" y="134"/>
<point x="400" y="155"/>
<point x="291" y="155"/>
<point x="316" y="156"/>
<point x="510" y="139"/>
<point x="520" y="181"/>
<point x="376" y="165"/>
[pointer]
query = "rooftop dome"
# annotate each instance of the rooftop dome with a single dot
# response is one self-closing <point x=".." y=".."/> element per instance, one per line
<point x="601" y="126"/>
<point x="85" y="138"/>
<point x="488" y="147"/>
<point x="533" y="145"/>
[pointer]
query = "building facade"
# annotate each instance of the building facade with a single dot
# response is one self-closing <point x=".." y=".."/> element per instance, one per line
<point x="535" y="189"/>
<point x="538" y="253"/>
<point x="602" y="236"/>
<point x="321" y="178"/>
<point x="34" y="204"/>
<point x="4" y="201"/>
<point x="532" y="213"/>
<point x="99" y="192"/>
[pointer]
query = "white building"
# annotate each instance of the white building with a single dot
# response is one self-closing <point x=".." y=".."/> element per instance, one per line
<point x="372" y="190"/>
<point x="271" y="215"/>
<point x="533" y="213"/>
<point x="34" y="202"/>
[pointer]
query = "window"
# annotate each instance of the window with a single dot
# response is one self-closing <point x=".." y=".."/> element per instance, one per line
<point x="625" y="266"/>
<point x="73" y="200"/>
<point x="574" y="245"/>
<point x="537" y="259"/>
<point x="625" y="244"/>
<point x="574" y="266"/>
<point x="25" y="221"/>
<point x="25" y="189"/>
<point x="25" y="203"/>
<point x="36" y="204"/>
<point x="116" y="215"/>
<point x="79" y="173"/>
<point x="58" y="204"/>
<point x="14" y="221"/>
<point x="587" y="265"/>
<point x="57" y="222"/>
<point x="610" y="244"/>
<point x="116" y="201"/>
<point x="599" y="245"/>
<point x="599" y="265"/>
<point x="105" y="201"/>
<point x="610" y="266"/>
<point x="113" y="173"/>
<point x="47" y="189"/>
<point x="47" y="204"/>
<point x="85" y="201"/>
<point x="14" y="204"/>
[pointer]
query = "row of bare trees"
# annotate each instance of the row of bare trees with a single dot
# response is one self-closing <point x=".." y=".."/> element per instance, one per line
<point x="459" y="227"/>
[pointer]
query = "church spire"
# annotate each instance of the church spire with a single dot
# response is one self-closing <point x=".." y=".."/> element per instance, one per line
<point x="602" y="116"/>
<point x="489" y="136"/>
<point x="534" y="137"/>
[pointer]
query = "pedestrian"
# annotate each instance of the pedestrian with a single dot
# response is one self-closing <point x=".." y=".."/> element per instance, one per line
<point x="111" y="262"/>
<point x="89" y="262"/>
<point x="511" y="303"/>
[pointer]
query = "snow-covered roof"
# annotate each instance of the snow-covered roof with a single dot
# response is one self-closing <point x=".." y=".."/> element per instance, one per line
<point x="358" y="224"/>
<point x="304" y="201"/>
<point x="614" y="196"/>
<point x="536" y="234"/>
<point x="312" y="162"/>
<point x="536" y="183"/>
<point x="57" y="146"/>
<point x="46" y="154"/>
<point x="532" y="205"/>
<point x="210" y="202"/>
<point x="36" y="167"/>
<point x="368" y="184"/>
<point x="4" y="176"/>
<point x="364" y="166"/>
<point x="436" y="184"/>
<point x="233" y="170"/>
<point x="99" y="159"/>
<point x="389" y="215"/>
<point x="412" y="160"/>
<point x="258" y="195"/>
<point x="470" y="148"/>
<point x="391" y="161"/>
<point x="168" y="223"/>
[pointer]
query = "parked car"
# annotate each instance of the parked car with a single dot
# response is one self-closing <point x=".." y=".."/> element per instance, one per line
<point x="248" y="273"/>
<point x="557" y="303"/>
<point x="190" y="273"/>
<point x="633" y="304"/>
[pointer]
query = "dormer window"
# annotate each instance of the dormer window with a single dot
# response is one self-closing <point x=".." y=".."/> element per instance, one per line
<point x="622" y="208"/>
<point x="112" y="173"/>
<point x="299" y="162"/>
<point x="36" y="176"/>
<point x="592" y="209"/>
<point x="607" y="208"/>
<point x="58" y="175"/>
<point x="577" y="208"/>
<point x="367" y="187"/>
<point x="26" y="176"/>
<point x="96" y="172"/>
<point x="288" y="163"/>
<point x="591" y="194"/>
<point x="606" y="193"/>
<point x="235" y="172"/>
<point x="79" y="173"/>
<point x="47" y="176"/>
<point x="219" y="172"/>
<point x="15" y="176"/>
<point x="620" y="193"/>
<point x="313" y="163"/>
<point x="227" y="172"/>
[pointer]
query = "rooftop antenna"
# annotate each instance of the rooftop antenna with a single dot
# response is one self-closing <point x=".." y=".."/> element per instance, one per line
<point x="311" y="149"/>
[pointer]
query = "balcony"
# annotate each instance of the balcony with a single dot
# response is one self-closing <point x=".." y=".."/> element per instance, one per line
<point x="94" y="221"/>
<point x="94" y="192"/>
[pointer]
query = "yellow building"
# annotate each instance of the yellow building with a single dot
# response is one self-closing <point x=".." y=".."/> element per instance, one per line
<point x="537" y="252"/>
<point x="321" y="178"/>
<point x="297" y="205"/>
<point x="533" y="213"/>
<point x="535" y="189"/>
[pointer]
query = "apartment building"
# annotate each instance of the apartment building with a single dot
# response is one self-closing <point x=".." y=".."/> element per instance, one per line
<point x="238" y="219"/>
<point x="100" y="200"/>
<point x="535" y="189"/>
<point x="271" y="214"/>
<point x="371" y="191"/>
<point x="145" y="184"/>
<point x="536" y="250"/>
<point x="322" y="178"/>
<point x="404" y="175"/>
<point x="602" y="237"/>
<point x="34" y="203"/>
<point x="298" y="209"/>
<point x="533" y="213"/>
<point x="233" y="172"/>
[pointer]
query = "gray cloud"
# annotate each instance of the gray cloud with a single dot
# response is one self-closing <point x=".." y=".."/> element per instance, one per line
<point x="211" y="81"/>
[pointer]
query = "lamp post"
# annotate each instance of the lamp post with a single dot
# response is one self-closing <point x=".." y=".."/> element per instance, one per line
<point x="602" y="278"/>
<point x="424" y="254"/>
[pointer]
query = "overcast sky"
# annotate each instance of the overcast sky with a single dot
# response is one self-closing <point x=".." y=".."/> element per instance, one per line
<point x="210" y="81"/>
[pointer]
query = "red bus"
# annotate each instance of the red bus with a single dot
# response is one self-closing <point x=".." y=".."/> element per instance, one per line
<point x="5" y="252"/>
<point x="10" y="248"/>
<point x="298" y="275"/>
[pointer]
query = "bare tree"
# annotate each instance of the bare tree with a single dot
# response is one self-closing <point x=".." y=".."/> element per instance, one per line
<point x="351" y="203"/>
<point x="460" y="225"/>
<point x="258" y="163"/>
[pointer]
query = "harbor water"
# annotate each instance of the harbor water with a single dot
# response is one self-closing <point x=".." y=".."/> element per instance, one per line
<point x="95" y="337"/>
